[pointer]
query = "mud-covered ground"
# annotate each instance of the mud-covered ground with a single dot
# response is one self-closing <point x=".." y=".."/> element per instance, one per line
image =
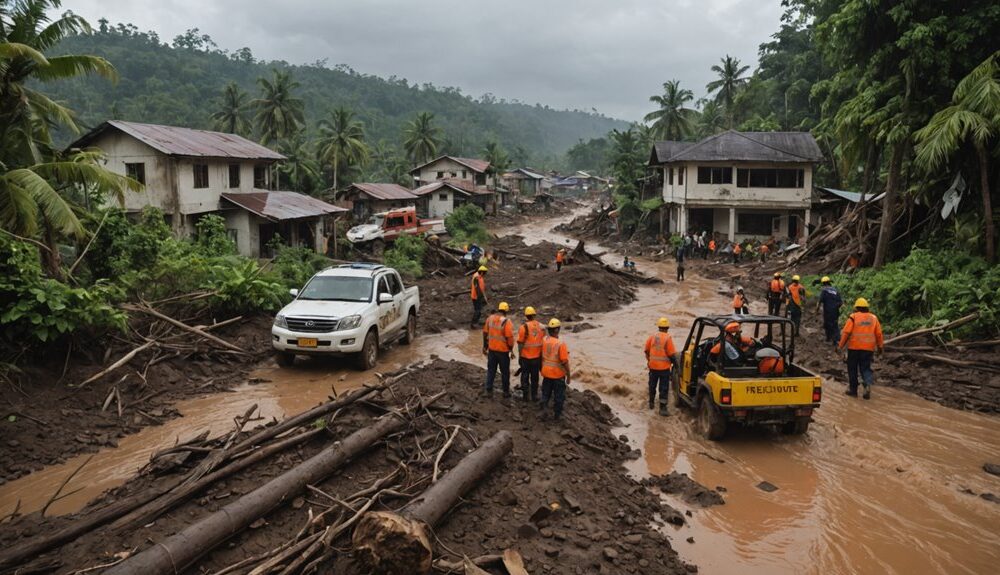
<point x="523" y="275"/>
<point x="608" y="522"/>
<point x="46" y="419"/>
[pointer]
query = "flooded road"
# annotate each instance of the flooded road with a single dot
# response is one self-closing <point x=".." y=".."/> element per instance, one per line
<point x="874" y="487"/>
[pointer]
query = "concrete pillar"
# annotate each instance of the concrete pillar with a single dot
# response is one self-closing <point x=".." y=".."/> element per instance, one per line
<point x="732" y="224"/>
<point x="318" y="235"/>
<point x="805" y="226"/>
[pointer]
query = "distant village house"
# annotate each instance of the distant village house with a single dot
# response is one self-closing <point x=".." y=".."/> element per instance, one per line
<point x="365" y="199"/>
<point x="438" y="199"/>
<point x="469" y="180"/>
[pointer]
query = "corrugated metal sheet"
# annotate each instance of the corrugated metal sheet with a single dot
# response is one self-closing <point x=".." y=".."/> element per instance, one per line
<point x="853" y="197"/>
<point x="176" y="141"/>
<point x="464" y="187"/>
<point x="478" y="166"/>
<point x="385" y="191"/>
<point x="731" y="146"/>
<point x="281" y="206"/>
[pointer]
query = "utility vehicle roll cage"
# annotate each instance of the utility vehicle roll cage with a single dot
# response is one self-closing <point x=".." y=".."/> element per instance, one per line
<point x="773" y="332"/>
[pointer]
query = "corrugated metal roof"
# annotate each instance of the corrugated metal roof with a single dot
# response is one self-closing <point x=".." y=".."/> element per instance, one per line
<point x="384" y="191"/>
<point x="176" y="141"/>
<point x="853" y="197"/>
<point x="478" y="166"/>
<point x="531" y="175"/>
<point x="464" y="187"/>
<point x="662" y="151"/>
<point x="281" y="206"/>
<point x="735" y="146"/>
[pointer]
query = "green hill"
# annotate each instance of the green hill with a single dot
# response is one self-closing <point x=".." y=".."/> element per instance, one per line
<point x="182" y="85"/>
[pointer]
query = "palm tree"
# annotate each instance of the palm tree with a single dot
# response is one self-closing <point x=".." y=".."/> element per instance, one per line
<point x="973" y="117"/>
<point x="300" y="168"/>
<point x="711" y="121"/>
<point x="498" y="159"/>
<point x="231" y="117"/>
<point x="279" y="112"/>
<point x="672" y="121"/>
<point x="421" y="138"/>
<point x="730" y="81"/>
<point x="342" y="141"/>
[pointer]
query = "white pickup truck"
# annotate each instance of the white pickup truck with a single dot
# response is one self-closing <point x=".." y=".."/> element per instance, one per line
<point x="351" y="309"/>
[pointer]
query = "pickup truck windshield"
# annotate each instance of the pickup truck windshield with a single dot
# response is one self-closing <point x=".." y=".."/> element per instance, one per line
<point x="332" y="288"/>
<point x="376" y="219"/>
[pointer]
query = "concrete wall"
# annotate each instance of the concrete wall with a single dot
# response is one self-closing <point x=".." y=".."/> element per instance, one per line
<point x="450" y="170"/>
<point x="240" y="221"/>
<point x="692" y="192"/>
<point x="438" y="208"/>
<point x="120" y="149"/>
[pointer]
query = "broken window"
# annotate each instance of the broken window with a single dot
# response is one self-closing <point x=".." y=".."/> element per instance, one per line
<point x="440" y="175"/>
<point x="260" y="176"/>
<point x="755" y="224"/>
<point x="234" y="175"/>
<point x="770" y="178"/>
<point x="713" y="175"/>
<point x="443" y="197"/>
<point x="137" y="172"/>
<point x="200" y="175"/>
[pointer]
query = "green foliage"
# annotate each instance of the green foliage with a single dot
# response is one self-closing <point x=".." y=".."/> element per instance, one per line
<point x="240" y="287"/>
<point x="928" y="288"/>
<point x="294" y="266"/>
<point x="651" y="204"/>
<point x="590" y="156"/>
<point x="212" y="238"/>
<point x="407" y="256"/>
<point x="121" y="247"/>
<point x="671" y="120"/>
<point x="465" y="225"/>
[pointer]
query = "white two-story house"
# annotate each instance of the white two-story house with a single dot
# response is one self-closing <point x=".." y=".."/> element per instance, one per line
<point x="466" y="177"/>
<point x="739" y="185"/>
<point x="189" y="173"/>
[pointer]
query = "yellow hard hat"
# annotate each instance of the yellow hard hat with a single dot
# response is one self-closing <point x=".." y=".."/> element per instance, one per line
<point x="825" y="279"/>
<point x="529" y="310"/>
<point x="483" y="269"/>
<point x="777" y="274"/>
<point x="861" y="302"/>
<point x="554" y="323"/>
<point x="795" y="278"/>
<point x="663" y="322"/>
<point x="503" y="306"/>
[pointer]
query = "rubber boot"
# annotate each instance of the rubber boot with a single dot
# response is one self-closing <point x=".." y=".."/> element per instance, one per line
<point x="851" y="392"/>
<point x="868" y="392"/>
<point x="663" y="409"/>
<point x="651" y="403"/>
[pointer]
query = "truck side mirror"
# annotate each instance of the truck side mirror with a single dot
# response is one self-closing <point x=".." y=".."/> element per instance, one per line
<point x="294" y="292"/>
<point x="385" y="297"/>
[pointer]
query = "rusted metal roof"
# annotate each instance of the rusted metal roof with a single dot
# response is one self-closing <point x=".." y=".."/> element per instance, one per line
<point x="281" y="206"/>
<point x="464" y="187"/>
<point x="176" y="141"/>
<point x="730" y="146"/>
<point x="384" y="191"/>
<point x="478" y="166"/>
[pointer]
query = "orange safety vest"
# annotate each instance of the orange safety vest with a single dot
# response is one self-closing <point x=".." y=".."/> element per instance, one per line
<point x="744" y="344"/>
<point x="795" y="290"/>
<point x="560" y="255"/>
<point x="711" y="246"/>
<point x="499" y="333"/>
<point x="738" y="301"/>
<point x="764" y="249"/>
<point x="476" y="277"/>
<point x="660" y="347"/>
<point x="862" y="331"/>
<point x="555" y="355"/>
<point x="777" y="286"/>
<point x="737" y="249"/>
<point x="530" y="337"/>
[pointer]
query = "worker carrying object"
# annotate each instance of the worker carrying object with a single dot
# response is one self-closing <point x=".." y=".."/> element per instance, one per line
<point x="830" y="302"/>
<point x="660" y="354"/>
<point x="741" y="305"/>
<point x="555" y="370"/>
<point x="529" y="346"/>
<point x="862" y="336"/>
<point x="498" y="347"/>
<point x="795" y="296"/>
<point x="560" y="258"/>
<point x="775" y="292"/>
<point x="478" y="295"/>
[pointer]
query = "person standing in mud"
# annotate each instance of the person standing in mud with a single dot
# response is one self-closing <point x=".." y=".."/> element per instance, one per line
<point x="862" y="337"/>
<point x="830" y="302"/>
<point x="555" y="370"/>
<point x="478" y="295"/>
<point x="680" y="264"/>
<point x="498" y="347"/>
<point x="794" y="300"/>
<point x="775" y="291"/>
<point x="740" y="304"/>
<point x="660" y="353"/>
<point x="529" y="346"/>
<point x="560" y="258"/>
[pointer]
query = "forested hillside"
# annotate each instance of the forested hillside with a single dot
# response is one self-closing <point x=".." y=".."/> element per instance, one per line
<point x="182" y="84"/>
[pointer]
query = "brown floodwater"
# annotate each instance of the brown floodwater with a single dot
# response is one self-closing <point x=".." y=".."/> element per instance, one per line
<point x="874" y="487"/>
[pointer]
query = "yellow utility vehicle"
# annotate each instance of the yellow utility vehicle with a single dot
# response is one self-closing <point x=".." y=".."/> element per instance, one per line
<point x="741" y="370"/>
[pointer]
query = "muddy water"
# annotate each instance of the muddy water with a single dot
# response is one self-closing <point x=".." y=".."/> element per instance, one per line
<point x="874" y="487"/>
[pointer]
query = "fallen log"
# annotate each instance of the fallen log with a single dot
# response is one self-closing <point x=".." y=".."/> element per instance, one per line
<point x="398" y="543"/>
<point x="125" y="359"/>
<point x="184" y="326"/>
<point x="180" y="550"/>
<point x="957" y="362"/>
<point x="950" y="325"/>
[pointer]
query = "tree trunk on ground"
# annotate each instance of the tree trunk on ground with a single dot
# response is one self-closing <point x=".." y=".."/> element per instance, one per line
<point x="984" y="178"/>
<point x="398" y="543"/>
<point x="889" y="205"/>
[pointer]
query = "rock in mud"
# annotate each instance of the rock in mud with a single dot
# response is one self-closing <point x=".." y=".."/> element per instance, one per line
<point x="992" y="468"/>
<point x="767" y="486"/>
<point x="688" y="489"/>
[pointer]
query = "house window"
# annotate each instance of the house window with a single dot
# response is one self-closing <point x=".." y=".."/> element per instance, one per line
<point x="769" y="178"/>
<point x="137" y="172"/>
<point x="480" y="179"/>
<point x="234" y="175"/>
<point x="680" y="176"/>
<point x="233" y="234"/>
<point x="443" y="197"/>
<point x="440" y="175"/>
<point x="670" y="176"/>
<point x="200" y="175"/>
<point x="707" y="175"/>
<point x="755" y="224"/>
<point x="260" y="176"/>
<point x="465" y="174"/>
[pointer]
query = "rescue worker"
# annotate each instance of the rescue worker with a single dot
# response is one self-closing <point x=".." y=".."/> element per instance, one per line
<point x="660" y="353"/>
<point x="529" y="348"/>
<point x="862" y="337"/>
<point x="736" y="343"/>
<point x="830" y="302"/>
<point x="560" y="258"/>
<point x="711" y="246"/>
<point x="737" y="250"/>
<point x="764" y="250"/>
<point x="478" y="295"/>
<point x="794" y="299"/>
<point x="680" y="264"/>
<point x="498" y="347"/>
<point x="775" y="291"/>
<point x="740" y="304"/>
<point x="555" y="369"/>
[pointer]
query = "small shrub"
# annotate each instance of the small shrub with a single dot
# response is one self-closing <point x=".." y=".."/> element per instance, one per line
<point x="407" y="256"/>
<point x="212" y="237"/>
<point x="294" y="266"/>
<point x="465" y="225"/>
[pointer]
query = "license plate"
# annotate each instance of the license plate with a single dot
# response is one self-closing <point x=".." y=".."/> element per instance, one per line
<point x="308" y="342"/>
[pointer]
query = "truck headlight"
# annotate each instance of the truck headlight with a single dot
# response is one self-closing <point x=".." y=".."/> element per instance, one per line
<point x="349" y="322"/>
<point x="279" y="320"/>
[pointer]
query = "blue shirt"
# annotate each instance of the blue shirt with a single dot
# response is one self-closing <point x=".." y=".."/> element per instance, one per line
<point x="830" y="299"/>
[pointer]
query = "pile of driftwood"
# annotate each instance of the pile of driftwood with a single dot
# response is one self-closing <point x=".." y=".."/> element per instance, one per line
<point x="834" y="242"/>
<point x="389" y="518"/>
<point x="954" y="351"/>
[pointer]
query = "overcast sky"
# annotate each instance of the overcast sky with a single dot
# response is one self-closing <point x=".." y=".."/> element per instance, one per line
<point x="605" y="54"/>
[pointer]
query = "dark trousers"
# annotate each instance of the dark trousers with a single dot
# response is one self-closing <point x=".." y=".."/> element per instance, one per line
<point x="795" y="312"/>
<point x="680" y="272"/>
<point x="830" y="326"/>
<point x="659" y="378"/>
<point x="773" y="305"/>
<point x="558" y="266"/>
<point x="529" y="377"/>
<point x="477" y="311"/>
<point x="859" y="364"/>
<point x="495" y="359"/>
<point x="555" y="389"/>
<point x="736" y="257"/>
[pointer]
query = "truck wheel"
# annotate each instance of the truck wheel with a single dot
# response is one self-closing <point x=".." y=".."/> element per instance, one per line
<point x="369" y="352"/>
<point x="710" y="422"/>
<point x="797" y="427"/>
<point x="284" y="358"/>
<point x="411" y="329"/>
